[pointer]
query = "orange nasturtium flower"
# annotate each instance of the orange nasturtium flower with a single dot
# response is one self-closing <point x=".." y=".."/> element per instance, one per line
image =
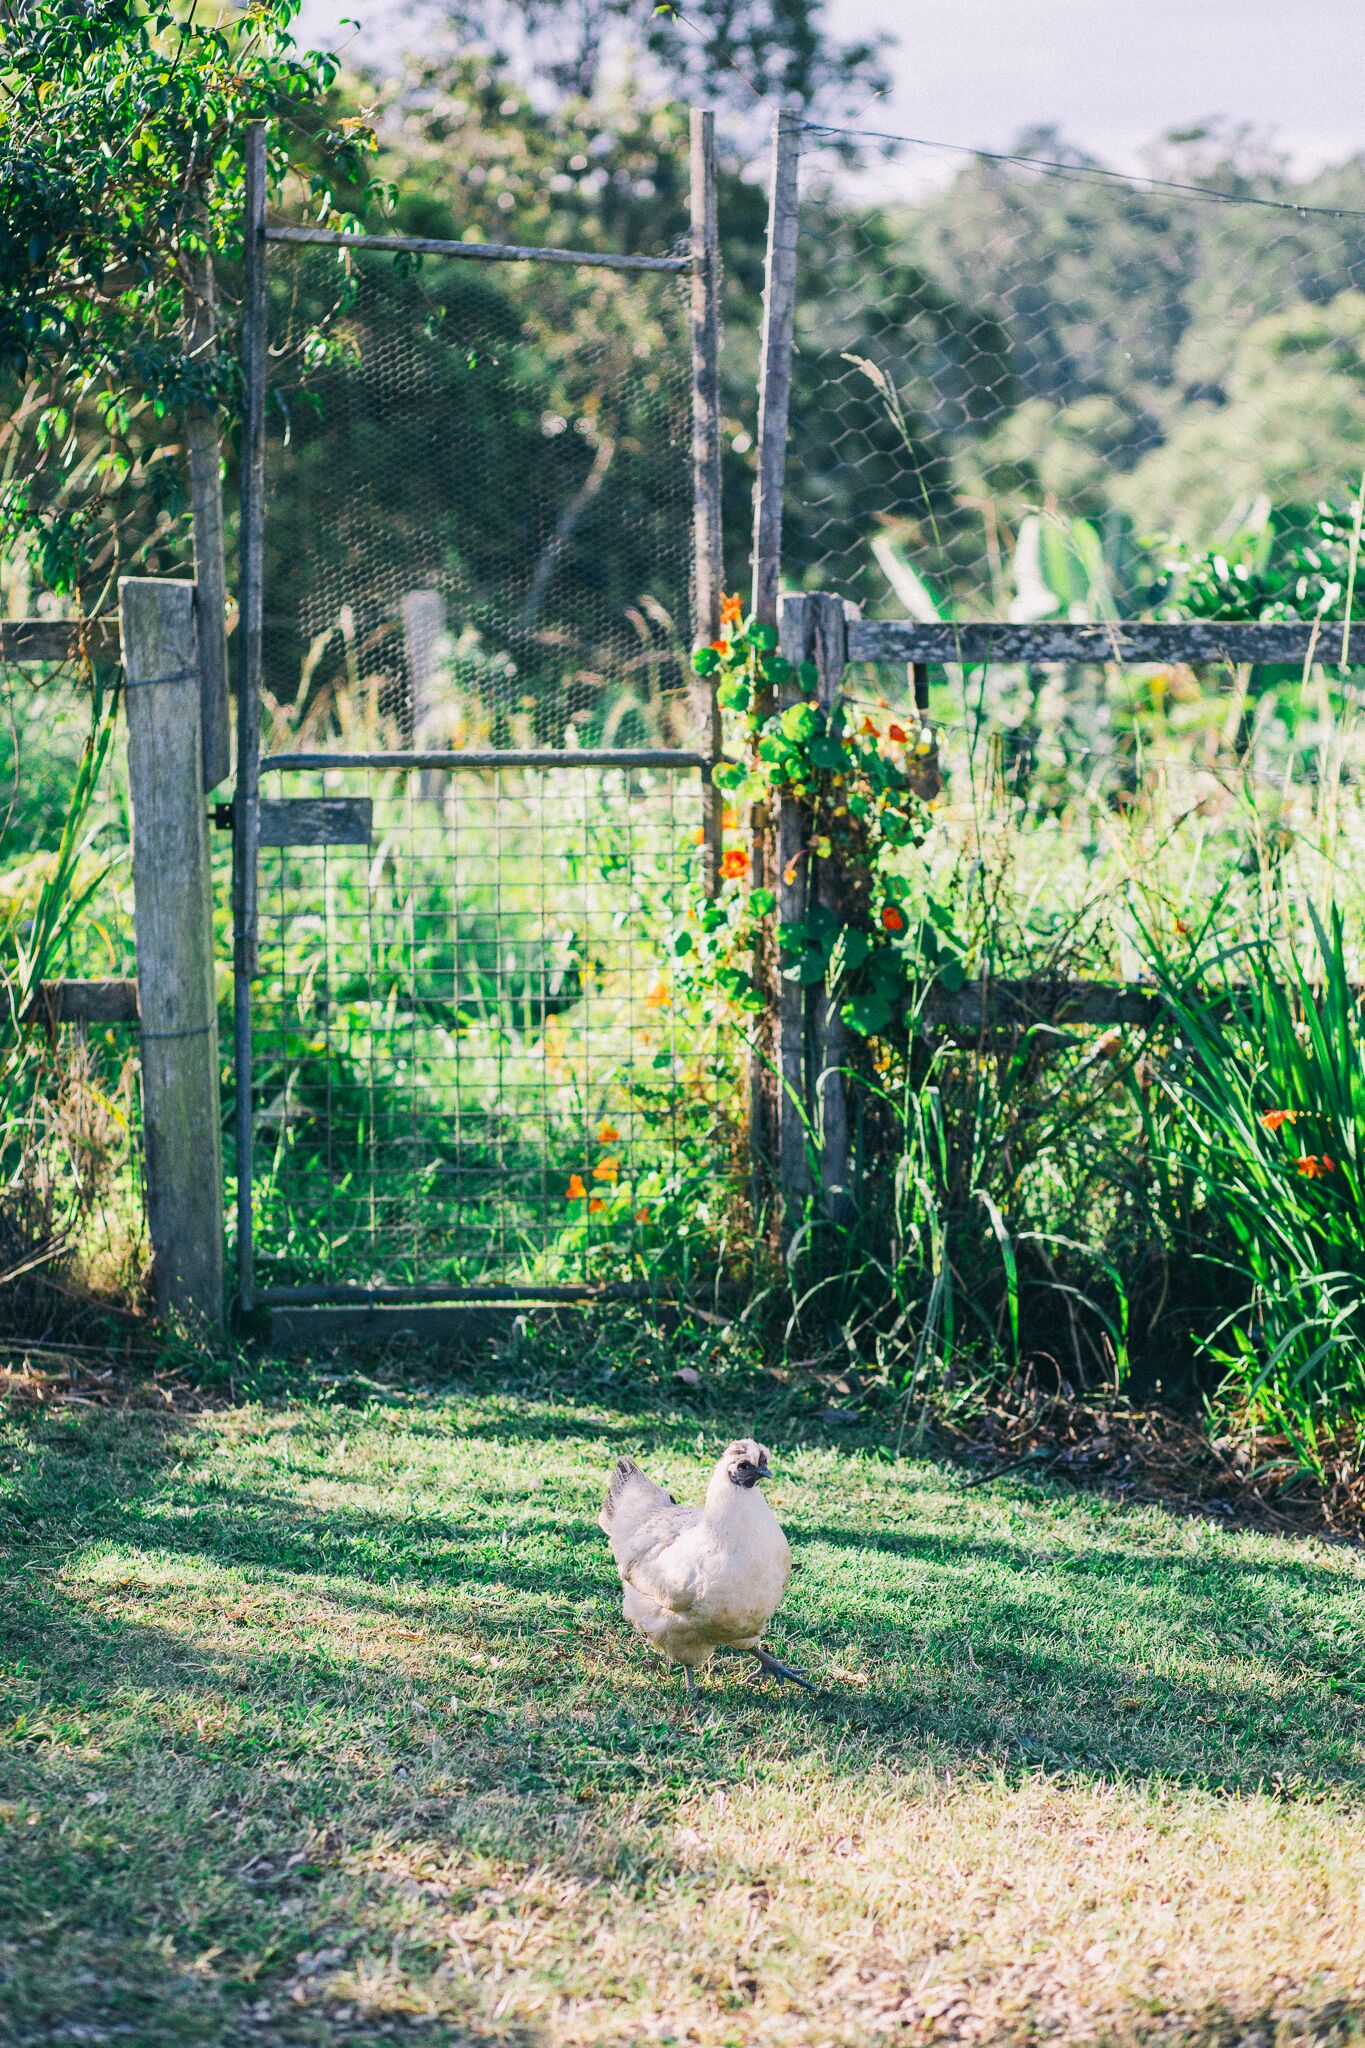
<point x="642" y="1215"/>
<point x="595" y="1204"/>
<point x="893" y="919"/>
<point x="730" y="820"/>
<point x="868" y="727"/>
<point x="576" y="1190"/>
<point x="606" y="1169"/>
<point x="731" y="610"/>
<point x="607" y="1133"/>
<point x="1313" y="1166"/>
<point x="1273" y="1118"/>
<point x="897" y="733"/>
<point x="657" y="998"/>
<point x="719" y="646"/>
<point x="734" y="864"/>
<point x="699" y="837"/>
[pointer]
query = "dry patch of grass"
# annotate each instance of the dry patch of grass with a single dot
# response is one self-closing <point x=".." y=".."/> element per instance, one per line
<point x="320" y="1725"/>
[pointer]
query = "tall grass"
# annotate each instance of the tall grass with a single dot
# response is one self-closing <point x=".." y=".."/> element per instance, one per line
<point x="1256" y="1133"/>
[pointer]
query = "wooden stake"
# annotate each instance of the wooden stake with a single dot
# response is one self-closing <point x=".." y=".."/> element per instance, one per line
<point x="210" y="570"/>
<point x="173" y="916"/>
<point x="707" y="548"/>
<point x="775" y="364"/>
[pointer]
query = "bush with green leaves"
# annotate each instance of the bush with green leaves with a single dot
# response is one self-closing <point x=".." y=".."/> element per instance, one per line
<point x="122" y="163"/>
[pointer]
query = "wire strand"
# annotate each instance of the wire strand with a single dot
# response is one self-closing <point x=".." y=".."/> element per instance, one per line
<point x="1102" y="171"/>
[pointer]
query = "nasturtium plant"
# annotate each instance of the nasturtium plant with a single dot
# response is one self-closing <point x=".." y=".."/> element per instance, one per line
<point x="860" y="787"/>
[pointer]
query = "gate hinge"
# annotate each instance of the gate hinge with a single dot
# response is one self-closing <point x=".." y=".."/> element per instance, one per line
<point x="222" y="817"/>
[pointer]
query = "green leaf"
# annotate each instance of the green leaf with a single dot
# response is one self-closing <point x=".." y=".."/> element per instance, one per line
<point x="762" y="902"/>
<point x="799" y="721"/>
<point x="866" y="1013"/>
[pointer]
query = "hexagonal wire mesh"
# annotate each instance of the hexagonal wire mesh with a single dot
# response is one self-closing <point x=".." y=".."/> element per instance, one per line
<point x="1023" y="390"/>
<point x="479" y="503"/>
<point x="468" y="1073"/>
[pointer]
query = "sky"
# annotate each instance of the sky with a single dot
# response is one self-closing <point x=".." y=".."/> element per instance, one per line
<point x="1113" y="74"/>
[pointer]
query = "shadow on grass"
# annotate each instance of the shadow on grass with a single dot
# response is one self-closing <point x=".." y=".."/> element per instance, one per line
<point x="467" y="1678"/>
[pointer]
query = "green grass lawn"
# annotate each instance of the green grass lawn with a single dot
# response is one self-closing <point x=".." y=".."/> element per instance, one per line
<point x="321" y="1724"/>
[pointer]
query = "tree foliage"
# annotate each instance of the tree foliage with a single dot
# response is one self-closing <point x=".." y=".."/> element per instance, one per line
<point x="121" y="157"/>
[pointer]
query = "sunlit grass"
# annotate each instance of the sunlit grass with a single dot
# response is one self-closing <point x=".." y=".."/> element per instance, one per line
<point x="321" y="1722"/>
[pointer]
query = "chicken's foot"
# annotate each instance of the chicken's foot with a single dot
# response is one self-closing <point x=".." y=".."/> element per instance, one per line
<point x="691" y="1681"/>
<point x="771" y="1665"/>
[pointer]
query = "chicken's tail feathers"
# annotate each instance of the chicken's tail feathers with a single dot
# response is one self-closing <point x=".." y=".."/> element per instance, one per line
<point x="626" y="1470"/>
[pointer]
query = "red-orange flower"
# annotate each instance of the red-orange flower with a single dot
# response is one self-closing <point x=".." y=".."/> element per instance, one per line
<point x="868" y="727"/>
<point x="576" y="1190"/>
<point x="897" y="733"/>
<point x="1273" y="1118"/>
<point x="731" y="610"/>
<point x="657" y="998"/>
<point x="607" y="1133"/>
<point x="730" y="820"/>
<point x="699" y="837"/>
<point x="606" y="1169"/>
<point x="1313" y="1165"/>
<point x="893" y="919"/>
<point x="642" y="1215"/>
<point x="734" y="864"/>
<point x="595" y="1204"/>
<point x="1182" y="930"/>
<point x="719" y="646"/>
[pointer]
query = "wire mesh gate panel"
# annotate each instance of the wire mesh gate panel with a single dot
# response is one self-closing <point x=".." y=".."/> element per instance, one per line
<point x="478" y="534"/>
<point x="467" y="1060"/>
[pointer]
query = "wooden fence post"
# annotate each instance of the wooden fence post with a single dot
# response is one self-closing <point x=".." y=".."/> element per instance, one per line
<point x="173" y="917"/>
<point x="831" y="1042"/>
<point x="210" y="568"/>
<point x="771" y="1165"/>
<point x="708" y="566"/>
<point x="788" y="998"/>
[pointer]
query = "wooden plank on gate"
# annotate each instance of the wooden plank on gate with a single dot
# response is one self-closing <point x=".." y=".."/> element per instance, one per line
<point x="317" y="821"/>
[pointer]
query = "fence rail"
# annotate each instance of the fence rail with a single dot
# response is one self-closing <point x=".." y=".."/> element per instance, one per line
<point x="1187" y="640"/>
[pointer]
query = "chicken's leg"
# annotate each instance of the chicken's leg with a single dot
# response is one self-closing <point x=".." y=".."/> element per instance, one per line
<point x="691" y="1681"/>
<point x="779" y="1671"/>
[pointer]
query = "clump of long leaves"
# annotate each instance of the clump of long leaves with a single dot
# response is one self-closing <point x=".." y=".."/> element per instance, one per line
<point x="1257" y="1131"/>
<point x="36" y="932"/>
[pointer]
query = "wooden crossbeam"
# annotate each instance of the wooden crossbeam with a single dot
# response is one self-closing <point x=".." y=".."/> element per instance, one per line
<point x="83" y="1002"/>
<point x="1186" y="640"/>
<point x="54" y="639"/>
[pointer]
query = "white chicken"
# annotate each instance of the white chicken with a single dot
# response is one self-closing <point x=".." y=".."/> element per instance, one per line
<point x="698" y="1580"/>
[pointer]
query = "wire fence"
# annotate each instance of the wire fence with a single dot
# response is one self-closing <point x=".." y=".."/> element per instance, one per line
<point x="469" y="1063"/>
<point x="1029" y="390"/>
<point x="479" y="502"/>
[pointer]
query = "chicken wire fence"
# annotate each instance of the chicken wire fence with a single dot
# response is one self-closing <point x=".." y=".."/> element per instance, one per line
<point x="480" y="497"/>
<point x="1030" y="391"/>
<point x="461" y="1069"/>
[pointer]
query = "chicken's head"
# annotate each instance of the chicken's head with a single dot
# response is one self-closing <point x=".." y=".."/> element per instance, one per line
<point x="745" y="1462"/>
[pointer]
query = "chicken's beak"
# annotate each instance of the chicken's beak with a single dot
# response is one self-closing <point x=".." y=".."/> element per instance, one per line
<point x="764" y="1469"/>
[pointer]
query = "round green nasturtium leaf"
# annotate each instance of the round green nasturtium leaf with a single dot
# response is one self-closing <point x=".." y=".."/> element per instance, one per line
<point x="705" y="661"/>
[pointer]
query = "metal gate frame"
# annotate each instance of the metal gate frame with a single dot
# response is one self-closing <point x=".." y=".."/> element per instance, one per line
<point x="702" y="267"/>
